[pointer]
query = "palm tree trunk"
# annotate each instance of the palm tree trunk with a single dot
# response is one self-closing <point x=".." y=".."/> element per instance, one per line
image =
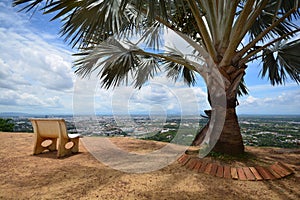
<point x="230" y="140"/>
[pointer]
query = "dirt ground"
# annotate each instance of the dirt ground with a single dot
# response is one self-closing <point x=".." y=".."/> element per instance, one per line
<point x="81" y="176"/>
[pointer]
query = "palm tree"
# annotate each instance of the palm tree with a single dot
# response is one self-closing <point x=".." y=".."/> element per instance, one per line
<point x="225" y="34"/>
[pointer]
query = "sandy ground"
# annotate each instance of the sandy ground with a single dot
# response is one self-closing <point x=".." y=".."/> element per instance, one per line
<point x="81" y="176"/>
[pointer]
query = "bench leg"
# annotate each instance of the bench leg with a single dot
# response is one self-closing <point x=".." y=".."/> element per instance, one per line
<point x="75" y="147"/>
<point x="38" y="148"/>
<point x="63" y="151"/>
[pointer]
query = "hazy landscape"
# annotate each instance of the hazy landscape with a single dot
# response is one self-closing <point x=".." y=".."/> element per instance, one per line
<point x="257" y="130"/>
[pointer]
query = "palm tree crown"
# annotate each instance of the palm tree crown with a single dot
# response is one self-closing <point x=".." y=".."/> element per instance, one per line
<point x="232" y="33"/>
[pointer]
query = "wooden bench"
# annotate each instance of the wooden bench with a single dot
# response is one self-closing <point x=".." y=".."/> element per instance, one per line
<point x="56" y="131"/>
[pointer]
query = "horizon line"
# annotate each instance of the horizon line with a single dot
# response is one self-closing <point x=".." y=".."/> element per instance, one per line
<point x="8" y="114"/>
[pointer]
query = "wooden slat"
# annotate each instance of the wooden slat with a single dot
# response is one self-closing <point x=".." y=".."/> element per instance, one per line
<point x="241" y="174"/>
<point x="264" y="173"/>
<point x="286" y="167"/>
<point x="203" y="167"/>
<point x="227" y="172"/>
<point x="185" y="159"/>
<point x="198" y="165"/>
<point x="191" y="164"/>
<point x="220" y="171"/>
<point x="181" y="158"/>
<point x="282" y="172"/>
<point x="208" y="168"/>
<point x="249" y="174"/>
<point x="258" y="177"/>
<point x="274" y="173"/>
<point x="269" y="173"/>
<point x="233" y="172"/>
<point x="214" y="169"/>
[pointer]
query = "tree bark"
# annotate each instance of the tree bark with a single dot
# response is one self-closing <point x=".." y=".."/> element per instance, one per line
<point x="230" y="140"/>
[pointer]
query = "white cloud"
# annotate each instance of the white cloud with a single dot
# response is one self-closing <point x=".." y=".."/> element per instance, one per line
<point x="250" y="100"/>
<point x="35" y="73"/>
<point x="15" y="98"/>
<point x="269" y="87"/>
<point x="37" y="61"/>
<point x="284" y="103"/>
<point x="158" y="96"/>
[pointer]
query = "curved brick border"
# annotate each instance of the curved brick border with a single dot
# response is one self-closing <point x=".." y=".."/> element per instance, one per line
<point x="256" y="173"/>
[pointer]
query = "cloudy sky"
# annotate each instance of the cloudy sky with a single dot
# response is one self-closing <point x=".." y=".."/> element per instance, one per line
<point x="36" y="77"/>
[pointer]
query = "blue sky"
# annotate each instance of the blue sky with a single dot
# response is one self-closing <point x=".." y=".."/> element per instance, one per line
<point x="36" y="76"/>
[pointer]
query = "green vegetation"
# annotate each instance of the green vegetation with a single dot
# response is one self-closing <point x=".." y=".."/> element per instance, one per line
<point x="164" y="137"/>
<point x="283" y="132"/>
<point x="273" y="131"/>
<point x="246" y="156"/>
<point x="184" y="136"/>
<point x="172" y="132"/>
<point x="6" y="125"/>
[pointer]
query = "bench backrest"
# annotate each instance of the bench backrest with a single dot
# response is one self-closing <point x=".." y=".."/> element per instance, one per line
<point x="49" y="127"/>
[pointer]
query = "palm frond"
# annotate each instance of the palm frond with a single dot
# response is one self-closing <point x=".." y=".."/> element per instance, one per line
<point x="93" y="23"/>
<point x="272" y="12"/>
<point x="176" y="71"/>
<point x="285" y="6"/>
<point x="242" y="88"/>
<point x="87" y="22"/>
<point x="147" y="68"/>
<point x="30" y="4"/>
<point x="285" y="64"/>
<point x="289" y="57"/>
<point x="264" y="21"/>
<point x="111" y="57"/>
<point x="152" y="36"/>
<point x="117" y="63"/>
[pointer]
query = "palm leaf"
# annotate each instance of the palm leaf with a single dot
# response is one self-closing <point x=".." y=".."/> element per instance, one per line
<point x="272" y="12"/>
<point x="147" y="68"/>
<point x="117" y="63"/>
<point x="30" y="4"/>
<point x="242" y="88"/>
<point x="285" y="65"/>
<point x="152" y="36"/>
<point x="111" y="57"/>
<point x="289" y="57"/>
<point x="176" y="71"/>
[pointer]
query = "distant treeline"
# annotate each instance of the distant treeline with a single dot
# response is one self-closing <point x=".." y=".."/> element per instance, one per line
<point x="6" y="125"/>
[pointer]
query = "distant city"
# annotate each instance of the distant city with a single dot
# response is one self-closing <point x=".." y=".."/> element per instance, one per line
<point x="275" y="131"/>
